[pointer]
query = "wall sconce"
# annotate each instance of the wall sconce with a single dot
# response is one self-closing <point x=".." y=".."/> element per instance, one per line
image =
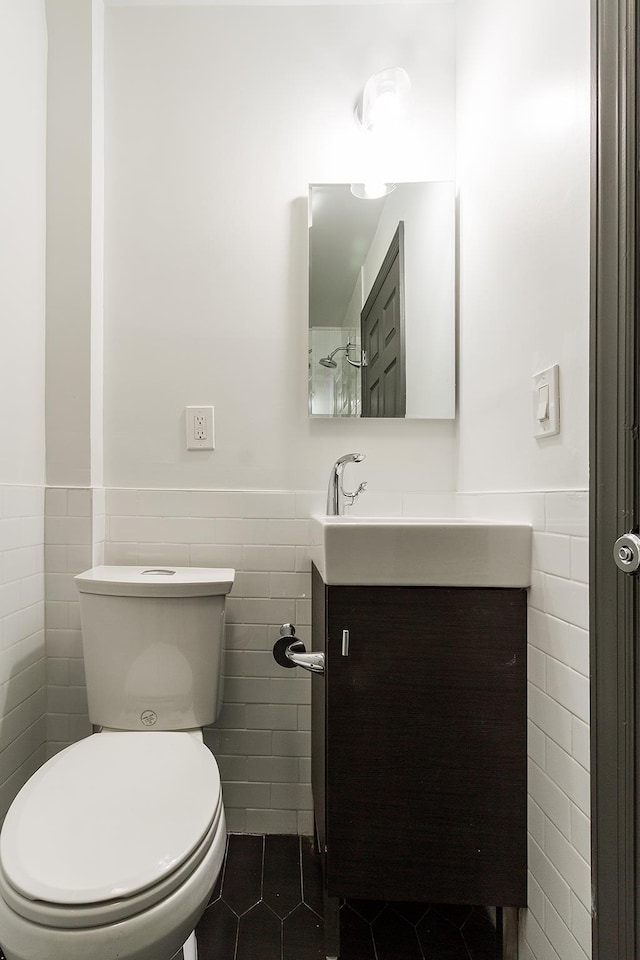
<point x="385" y="100"/>
<point x="383" y="106"/>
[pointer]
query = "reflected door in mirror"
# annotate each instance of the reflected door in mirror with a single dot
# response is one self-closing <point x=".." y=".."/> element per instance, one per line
<point x="382" y="324"/>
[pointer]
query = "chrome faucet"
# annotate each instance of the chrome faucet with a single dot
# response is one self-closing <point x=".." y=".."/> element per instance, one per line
<point x="337" y="496"/>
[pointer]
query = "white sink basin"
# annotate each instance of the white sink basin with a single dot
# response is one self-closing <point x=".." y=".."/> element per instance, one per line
<point x="393" y="551"/>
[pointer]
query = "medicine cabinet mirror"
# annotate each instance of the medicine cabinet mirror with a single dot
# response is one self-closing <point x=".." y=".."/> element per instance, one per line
<point x="382" y="302"/>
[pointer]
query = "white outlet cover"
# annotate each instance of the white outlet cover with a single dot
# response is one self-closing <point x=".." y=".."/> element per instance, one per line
<point x="199" y="428"/>
<point x="546" y="402"/>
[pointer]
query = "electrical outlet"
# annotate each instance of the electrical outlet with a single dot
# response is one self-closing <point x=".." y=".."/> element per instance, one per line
<point x="199" y="427"/>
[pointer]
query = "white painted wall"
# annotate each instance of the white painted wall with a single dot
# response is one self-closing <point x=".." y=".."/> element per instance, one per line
<point x="23" y="64"/>
<point x="75" y="241"/>
<point x="217" y="119"/>
<point x="96" y="423"/>
<point x="23" y="51"/>
<point x="523" y="174"/>
<point x="69" y="190"/>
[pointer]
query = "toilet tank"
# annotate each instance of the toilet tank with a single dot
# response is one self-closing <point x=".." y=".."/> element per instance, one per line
<point x="152" y="639"/>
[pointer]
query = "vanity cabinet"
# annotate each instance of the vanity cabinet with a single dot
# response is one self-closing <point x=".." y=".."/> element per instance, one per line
<point x="419" y="742"/>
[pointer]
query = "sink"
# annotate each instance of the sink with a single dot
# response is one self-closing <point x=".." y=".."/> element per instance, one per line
<point x="418" y="551"/>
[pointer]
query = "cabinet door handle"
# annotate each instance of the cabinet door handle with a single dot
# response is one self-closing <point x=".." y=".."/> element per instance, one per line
<point x="345" y="643"/>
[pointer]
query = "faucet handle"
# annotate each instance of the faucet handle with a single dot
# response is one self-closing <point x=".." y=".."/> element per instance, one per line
<point x="352" y="497"/>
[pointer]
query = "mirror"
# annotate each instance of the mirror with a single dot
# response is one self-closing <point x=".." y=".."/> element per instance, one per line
<point x="382" y="302"/>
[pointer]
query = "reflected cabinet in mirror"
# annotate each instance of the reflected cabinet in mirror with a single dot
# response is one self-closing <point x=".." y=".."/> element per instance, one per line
<point x="382" y="302"/>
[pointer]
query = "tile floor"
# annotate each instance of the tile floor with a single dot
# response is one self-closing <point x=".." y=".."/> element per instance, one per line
<point x="267" y="905"/>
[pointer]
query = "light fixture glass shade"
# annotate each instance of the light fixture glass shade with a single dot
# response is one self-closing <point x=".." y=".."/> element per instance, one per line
<point x="385" y="100"/>
<point x="372" y="191"/>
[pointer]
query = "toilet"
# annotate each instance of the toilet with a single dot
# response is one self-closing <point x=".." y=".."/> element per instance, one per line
<point x="112" y="848"/>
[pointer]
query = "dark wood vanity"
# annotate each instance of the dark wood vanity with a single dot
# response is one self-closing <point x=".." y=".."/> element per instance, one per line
<point x="419" y="744"/>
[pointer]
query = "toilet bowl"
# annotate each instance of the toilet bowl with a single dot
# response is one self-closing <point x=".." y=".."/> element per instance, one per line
<point x="112" y="848"/>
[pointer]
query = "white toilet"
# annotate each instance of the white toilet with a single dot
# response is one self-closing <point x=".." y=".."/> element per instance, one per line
<point x="112" y="848"/>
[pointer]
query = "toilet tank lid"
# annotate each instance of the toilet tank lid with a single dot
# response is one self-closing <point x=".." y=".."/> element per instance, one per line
<point x="156" y="581"/>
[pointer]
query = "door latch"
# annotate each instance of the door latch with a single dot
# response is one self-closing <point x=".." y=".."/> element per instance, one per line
<point x="626" y="552"/>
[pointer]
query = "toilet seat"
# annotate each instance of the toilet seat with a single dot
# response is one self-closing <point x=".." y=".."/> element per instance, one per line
<point x="58" y="869"/>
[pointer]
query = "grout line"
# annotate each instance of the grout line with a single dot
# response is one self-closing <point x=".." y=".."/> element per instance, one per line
<point x="235" y="946"/>
<point x="373" y="941"/>
<point x="224" y="863"/>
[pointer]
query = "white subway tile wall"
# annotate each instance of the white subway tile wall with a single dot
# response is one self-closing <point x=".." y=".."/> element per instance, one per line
<point x="557" y="925"/>
<point x="69" y="549"/>
<point x="23" y="704"/>
<point x="262" y="739"/>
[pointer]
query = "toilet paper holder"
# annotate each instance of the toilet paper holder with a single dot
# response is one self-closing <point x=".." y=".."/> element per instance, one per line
<point x="290" y="651"/>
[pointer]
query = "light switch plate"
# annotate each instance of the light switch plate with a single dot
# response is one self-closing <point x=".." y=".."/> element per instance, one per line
<point x="546" y="402"/>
